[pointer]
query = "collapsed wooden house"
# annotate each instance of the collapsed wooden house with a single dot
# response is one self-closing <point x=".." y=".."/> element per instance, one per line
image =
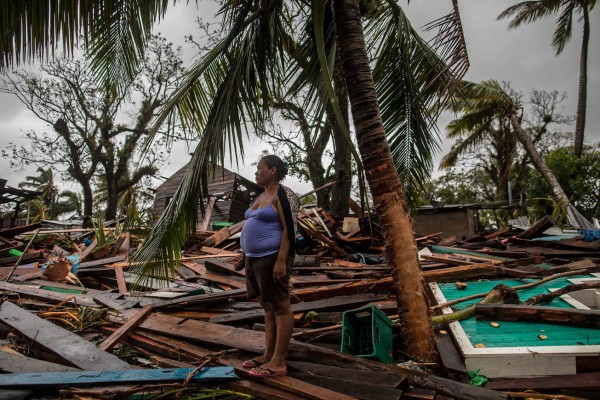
<point x="203" y="318"/>
<point x="229" y="196"/>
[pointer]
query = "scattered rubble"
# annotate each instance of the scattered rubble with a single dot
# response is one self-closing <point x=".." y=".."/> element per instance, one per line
<point x="67" y="306"/>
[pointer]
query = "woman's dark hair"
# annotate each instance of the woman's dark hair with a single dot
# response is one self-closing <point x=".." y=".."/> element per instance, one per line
<point x="273" y="161"/>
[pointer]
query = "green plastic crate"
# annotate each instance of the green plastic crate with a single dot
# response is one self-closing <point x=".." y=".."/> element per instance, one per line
<point x="367" y="332"/>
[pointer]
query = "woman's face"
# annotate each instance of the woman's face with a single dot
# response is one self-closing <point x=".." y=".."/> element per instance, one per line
<point x="264" y="175"/>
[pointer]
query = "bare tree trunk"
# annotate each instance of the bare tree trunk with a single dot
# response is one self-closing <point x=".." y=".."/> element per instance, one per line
<point x="88" y="204"/>
<point x="582" y="94"/>
<point x="388" y="195"/>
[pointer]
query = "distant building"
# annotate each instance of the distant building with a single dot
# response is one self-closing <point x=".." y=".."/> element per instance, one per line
<point x="17" y="197"/>
<point x="229" y="193"/>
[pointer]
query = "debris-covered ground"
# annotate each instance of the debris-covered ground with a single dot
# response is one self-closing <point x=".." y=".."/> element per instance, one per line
<point x="68" y="308"/>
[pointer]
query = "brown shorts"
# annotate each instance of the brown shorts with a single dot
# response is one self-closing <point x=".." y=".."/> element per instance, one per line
<point x="260" y="282"/>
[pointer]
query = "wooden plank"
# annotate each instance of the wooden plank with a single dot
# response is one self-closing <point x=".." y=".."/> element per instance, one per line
<point x="355" y="208"/>
<point x="208" y="212"/>
<point x="223" y="234"/>
<point x="452" y="361"/>
<point x="389" y="379"/>
<point x="116" y="301"/>
<point x="86" y="252"/>
<point x="590" y="380"/>
<point x="46" y="295"/>
<point x="16" y="363"/>
<point x="25" y="257"/>
<point x="71" y="347"/>
<point x="322" y="238"/>
<point x="102" y="261"/>
<point x="537" y="228"/>
<point x="223" y="268"/>
<point x="235" y="282"/>
<point x="361" y="390"/>
<point x="253" y="341"/>
<point x="216" y="250"/>
<point x="187" y="274"/>
<point x="298" y="387"/>
<point x="326" y="304"/>
<point x="202" y="298"/>
<point x="121" y="283"/>
<point x="260" y="391"/>
<point x="541" y="314"/>
<point x="42" y="380"/>
<point x="110" y="342"/>
<point x="180" y="350"/>
<point x="307" y="261"/>
<point x="12" y="232"/>
<point x="453" y="274"/>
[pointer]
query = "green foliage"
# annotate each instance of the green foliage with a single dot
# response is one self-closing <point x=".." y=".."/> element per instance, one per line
<point x="460" y="187"/>
<point x="579" y="177"/>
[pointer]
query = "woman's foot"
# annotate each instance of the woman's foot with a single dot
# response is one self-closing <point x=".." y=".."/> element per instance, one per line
<point x="255" y="362"/>
<point x="262" y="372"/>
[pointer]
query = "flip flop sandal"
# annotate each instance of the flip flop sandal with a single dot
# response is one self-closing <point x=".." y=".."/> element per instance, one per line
<point x="261" y="372"/>
<point x="252" y="363"/>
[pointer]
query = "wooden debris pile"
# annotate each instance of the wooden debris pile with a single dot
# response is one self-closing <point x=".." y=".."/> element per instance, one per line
<point x="69" y="307"/>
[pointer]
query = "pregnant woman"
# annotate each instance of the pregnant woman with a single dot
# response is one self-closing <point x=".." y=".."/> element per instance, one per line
<point x="267" y="255"/>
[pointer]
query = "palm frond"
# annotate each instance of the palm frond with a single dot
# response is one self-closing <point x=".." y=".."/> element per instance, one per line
<point x="117" y="38"/>
<point x="114" y="31"/>
<point x="236" y="82"/>
<point x="564" y="28"/>
<point x="450" y="43"/>
<point x="409" y="79"/>
<point x="530" y="11"/>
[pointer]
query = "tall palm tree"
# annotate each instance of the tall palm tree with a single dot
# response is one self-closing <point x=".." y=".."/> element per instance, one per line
<point x="69" y="202"/>
<point x="533" y="10"/>
<point x="230" y="86"/>
<point x="491" y="102"/>
<point x="476" y="129"/>
<point x="44" y="182"/>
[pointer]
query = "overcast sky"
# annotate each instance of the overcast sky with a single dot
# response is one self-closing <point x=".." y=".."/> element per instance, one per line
<point x="524" y="57"/>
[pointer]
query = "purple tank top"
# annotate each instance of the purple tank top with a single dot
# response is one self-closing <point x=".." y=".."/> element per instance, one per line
<point x="262" y="232"/>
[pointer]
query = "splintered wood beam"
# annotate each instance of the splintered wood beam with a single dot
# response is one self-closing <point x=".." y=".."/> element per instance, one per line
<point x="322" y="238"/>
<point x="223" y="234"/>
<point x="235" y="282"/>
<point x="253" y="341"/>
<point x="207" y="213"/>
<point x="121" y="284"/>
<point x="73" y="348"/>
<point x="540" y="314"/>
<point x="110" y="342"/>
<point x="537" y="228"/>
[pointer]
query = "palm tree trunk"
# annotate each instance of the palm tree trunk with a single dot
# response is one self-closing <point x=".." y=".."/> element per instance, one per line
<point x="537" y="161"/>
<point x="343" y="153"/>
<point x="388" y="195"/>
<point x="582" y="94"/>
